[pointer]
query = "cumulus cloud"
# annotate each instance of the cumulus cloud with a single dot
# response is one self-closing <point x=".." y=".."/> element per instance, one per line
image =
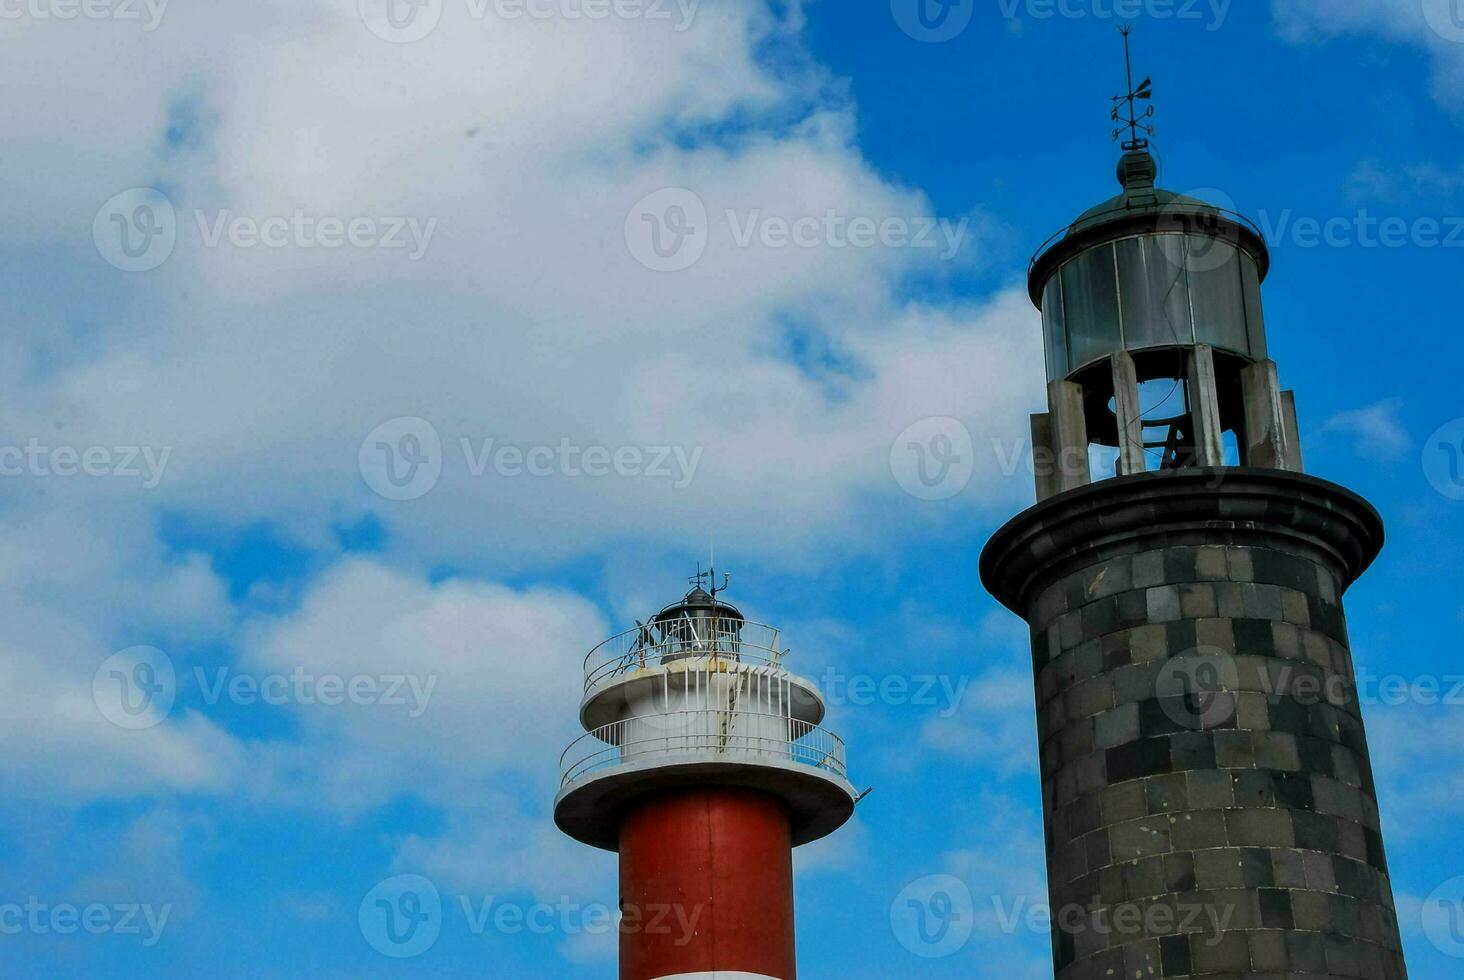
<point x="1377" y="430"/>
<point x="993" y="723"/>
<point x="1433" y="25"/>
<point x="511" y="153"/>
<point x="78" y="589"/>
<point x="488" y="672"/>
<point x="527" y="320"/>
<point x="1371" y="182"/>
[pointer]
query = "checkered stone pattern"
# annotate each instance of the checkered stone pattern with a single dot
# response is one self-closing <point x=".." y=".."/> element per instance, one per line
<point x="1209" y="799"/>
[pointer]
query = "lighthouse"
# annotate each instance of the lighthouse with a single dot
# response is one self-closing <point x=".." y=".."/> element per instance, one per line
<point x="703" y="765"/>
<point x="1207" y="789"/>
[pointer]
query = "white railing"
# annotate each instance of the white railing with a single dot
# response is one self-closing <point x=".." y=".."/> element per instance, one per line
<point x="728" y="640"/>
<point x="663" y="737"/>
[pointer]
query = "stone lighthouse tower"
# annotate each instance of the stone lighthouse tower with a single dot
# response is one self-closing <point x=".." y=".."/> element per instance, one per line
<point x="704" y="767"/>
<point x="1209" y="802"/>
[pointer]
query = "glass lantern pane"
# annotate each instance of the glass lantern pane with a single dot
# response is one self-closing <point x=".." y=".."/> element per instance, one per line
<point x="1090" y="305"/>
<point x="1153" y="292"/>
<point x="1054" y="329"/>
<point x="1255" y="319"/>
<point x="1216" y="294"/>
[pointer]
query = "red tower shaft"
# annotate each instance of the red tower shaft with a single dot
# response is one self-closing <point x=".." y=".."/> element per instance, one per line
<point x="706" y="884"/>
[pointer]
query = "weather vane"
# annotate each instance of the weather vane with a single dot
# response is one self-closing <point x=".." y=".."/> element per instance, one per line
<point x="1126" y="107"/>
<point x="711" y="574"/>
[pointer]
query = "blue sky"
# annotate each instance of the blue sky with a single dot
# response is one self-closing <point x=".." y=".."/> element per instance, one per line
<point x="248" y="247"/>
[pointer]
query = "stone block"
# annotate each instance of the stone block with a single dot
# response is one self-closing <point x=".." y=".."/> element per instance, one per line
<point x="1260" y="828"/>
<point x="1163" y="603"/>
<point x="1118" y="726"/>
<point x="1148" y="570"/>
<point x="1288" y="868"/>
<point x="1198" y="830"/>
<point x="1225" y="953"/>
<point x="1139" y="838"/>
<point x="1124" y="802"/>
<point x="1168" y="794"/>
<point x="1218" y="868"/>
<point x="1268" y="950"/>
<point x="1294" y="608"/>
<point x="1148" y="644"/>
<point x="1212" y="790"/>
<point x="1197" y="601"/>
<point x="1211" y="564"/>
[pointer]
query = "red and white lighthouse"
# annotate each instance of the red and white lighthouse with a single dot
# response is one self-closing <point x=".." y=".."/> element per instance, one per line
<point x="703" y="766"/>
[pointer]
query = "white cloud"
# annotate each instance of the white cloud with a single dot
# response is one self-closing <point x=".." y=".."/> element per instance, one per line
<point x="1377" y="430"/>
<point x="500" y="670"/>
<point x="1429" y="24"/>
<point x="993" y="726"/>
<point x="1372" y="182"/>
<point x="528" y="321"/>
<point x="78" y="587"/>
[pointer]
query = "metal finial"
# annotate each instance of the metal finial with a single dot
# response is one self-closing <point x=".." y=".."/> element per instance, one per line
<point x="710" y="576"/>
<point x="1126" y="111"/>
<point x="701" y="576"/>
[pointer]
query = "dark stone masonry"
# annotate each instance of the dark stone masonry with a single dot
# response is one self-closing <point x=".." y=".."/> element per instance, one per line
<point x="1209" y="799"/>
